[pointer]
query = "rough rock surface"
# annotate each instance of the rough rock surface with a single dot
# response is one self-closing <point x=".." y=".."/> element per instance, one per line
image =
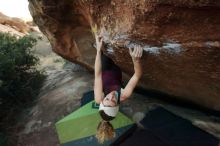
<point x="16" y="26"/>
<point x="61" y="95"/>
<point x="181" y="39"/>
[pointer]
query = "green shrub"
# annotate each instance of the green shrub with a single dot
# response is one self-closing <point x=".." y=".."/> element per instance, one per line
<point x="20" y="81"/>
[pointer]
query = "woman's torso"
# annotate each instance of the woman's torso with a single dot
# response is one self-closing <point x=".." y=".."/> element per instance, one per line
<point x="112" y="81"/>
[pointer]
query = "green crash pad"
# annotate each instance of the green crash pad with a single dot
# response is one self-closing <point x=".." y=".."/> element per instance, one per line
<point x="83" y="122"/>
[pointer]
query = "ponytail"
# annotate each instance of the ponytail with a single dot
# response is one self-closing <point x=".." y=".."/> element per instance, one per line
<point x="105" y="131"/>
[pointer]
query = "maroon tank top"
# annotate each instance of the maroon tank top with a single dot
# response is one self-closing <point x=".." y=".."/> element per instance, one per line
<point x="111" y="80"/>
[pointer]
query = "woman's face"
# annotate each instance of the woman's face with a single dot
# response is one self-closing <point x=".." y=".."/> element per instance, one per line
<point x="110" y="99"/>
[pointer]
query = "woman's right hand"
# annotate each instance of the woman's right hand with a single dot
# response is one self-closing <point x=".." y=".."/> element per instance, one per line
<point x="99" y="42"/>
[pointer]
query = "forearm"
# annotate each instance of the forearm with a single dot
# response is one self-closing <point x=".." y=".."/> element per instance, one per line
<point x="132" y="83"/>
<point x="98" y="66"/>
<point x="137" y="68"/>
<point x="98" y="78"/>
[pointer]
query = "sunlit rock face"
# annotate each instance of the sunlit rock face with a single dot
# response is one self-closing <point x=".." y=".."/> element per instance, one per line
<point x="13" y="25"/>
<point x="181" y="40"/>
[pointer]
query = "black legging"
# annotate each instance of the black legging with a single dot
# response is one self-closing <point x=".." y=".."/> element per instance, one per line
<point x="108" y="64"/>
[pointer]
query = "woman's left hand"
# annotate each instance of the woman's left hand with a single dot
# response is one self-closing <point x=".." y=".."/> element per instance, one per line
<point x="137" y="52"/>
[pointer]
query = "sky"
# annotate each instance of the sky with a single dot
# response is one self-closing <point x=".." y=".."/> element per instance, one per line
<point x="15" y="8"/>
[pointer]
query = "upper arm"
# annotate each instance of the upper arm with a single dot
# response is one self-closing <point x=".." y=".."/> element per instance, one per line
<point x="128" y="90"/>
<point x="98" y="89"/>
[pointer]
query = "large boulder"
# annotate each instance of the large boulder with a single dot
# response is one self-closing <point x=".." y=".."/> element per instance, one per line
<point x="181" y="39"/>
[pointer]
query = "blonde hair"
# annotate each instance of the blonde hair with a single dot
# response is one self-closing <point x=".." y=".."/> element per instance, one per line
<point x="105" y="131"/>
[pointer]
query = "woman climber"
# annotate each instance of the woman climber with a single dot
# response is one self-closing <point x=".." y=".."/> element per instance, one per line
<point x="108" y="87"/>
